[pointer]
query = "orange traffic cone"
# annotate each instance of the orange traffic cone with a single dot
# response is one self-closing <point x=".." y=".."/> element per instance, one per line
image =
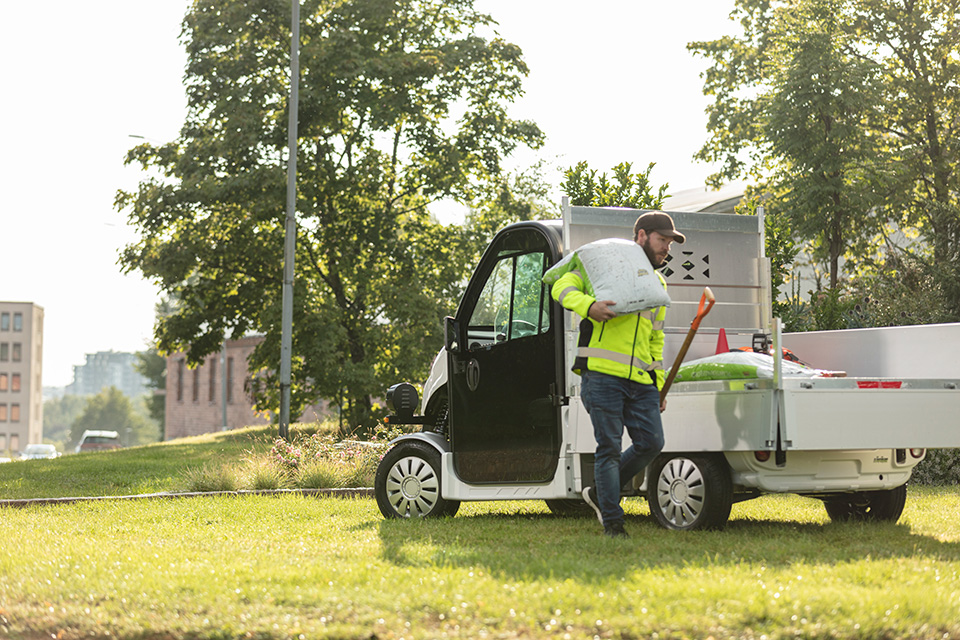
<point x="722" y="346"/>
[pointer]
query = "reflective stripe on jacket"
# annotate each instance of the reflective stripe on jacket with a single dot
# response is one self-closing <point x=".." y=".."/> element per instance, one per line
<point x="628" y="346"/>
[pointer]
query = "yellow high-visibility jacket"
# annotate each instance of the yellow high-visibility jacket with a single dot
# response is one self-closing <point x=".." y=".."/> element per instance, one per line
<point x="628" y="346"/>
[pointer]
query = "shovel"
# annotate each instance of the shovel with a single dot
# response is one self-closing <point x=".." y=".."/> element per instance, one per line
<point x="706" y="303"/>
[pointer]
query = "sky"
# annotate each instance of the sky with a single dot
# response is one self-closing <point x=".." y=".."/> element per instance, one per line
<point x="87" y="81"/>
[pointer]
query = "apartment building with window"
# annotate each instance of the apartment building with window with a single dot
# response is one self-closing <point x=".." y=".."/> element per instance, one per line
<point x="21" y="380"/>
<point x="217" y="394"/>
<point x="106" y="369"/>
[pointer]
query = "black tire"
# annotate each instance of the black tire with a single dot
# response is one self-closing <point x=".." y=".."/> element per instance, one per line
<point x="571" y="508"/>
<point x="408" y="483"/>
<point x="688" y="492"/>
<point x="867" y="506"/>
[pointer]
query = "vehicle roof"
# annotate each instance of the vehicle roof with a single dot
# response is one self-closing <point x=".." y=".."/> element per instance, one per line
<point x="94" y="433"/>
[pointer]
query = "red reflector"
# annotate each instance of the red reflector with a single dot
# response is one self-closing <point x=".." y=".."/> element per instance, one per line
<point x="879" y="384"/>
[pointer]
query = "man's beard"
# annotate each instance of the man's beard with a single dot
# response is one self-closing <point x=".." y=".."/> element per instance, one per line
<point x="651" y="255"/>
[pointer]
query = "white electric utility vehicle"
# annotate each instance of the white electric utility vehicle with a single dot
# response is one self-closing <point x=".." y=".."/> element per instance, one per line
<point x="502" y="417"/>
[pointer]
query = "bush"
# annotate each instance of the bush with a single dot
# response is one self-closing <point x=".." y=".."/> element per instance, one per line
<point x="222" y="477"/>
<point x="311" y="460"/>
<point x="263" y="474"/>
<point x="941" y="467"/>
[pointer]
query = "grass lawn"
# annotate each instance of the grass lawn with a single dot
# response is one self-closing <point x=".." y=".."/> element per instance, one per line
<point x="297" y="567"/>
<point x="136" y="470"/>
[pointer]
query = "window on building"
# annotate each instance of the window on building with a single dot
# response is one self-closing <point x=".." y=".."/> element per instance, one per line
<point x="17" y="355"/>
<point x="5" y="321"/>
<point x="179" y="380"/>
<point x="212" y="366"/>
<point x="18" y="322"/>
<point x="4" y="382"/>
<point x="229" y="379"/>
<point x="14" y="442"/>
<point x="15" y="382"/>
<point x="3" y="415"/>
<point x="4" y="351"/>
<point x="3" y="441"/>
<point x="14" y="412"/>
<point x="196" y="384"/>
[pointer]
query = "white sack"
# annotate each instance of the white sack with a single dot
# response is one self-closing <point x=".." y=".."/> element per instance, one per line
<point x="614" y="269"/>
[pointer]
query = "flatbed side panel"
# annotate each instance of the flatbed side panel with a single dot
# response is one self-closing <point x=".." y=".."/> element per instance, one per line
<point x="820" y="419"/>
<point x="699" y="421"/>
<point x="720" y="421"/>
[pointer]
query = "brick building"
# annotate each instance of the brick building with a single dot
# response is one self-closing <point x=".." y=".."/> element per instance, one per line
<point x="214" y="396"/>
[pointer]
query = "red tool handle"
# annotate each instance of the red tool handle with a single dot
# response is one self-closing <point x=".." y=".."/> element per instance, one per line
<point x="706" y="303"/>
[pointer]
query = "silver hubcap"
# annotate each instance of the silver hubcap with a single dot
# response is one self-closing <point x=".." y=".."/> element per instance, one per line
<point x="413" y="489"/>
<point x="680" y="492"/>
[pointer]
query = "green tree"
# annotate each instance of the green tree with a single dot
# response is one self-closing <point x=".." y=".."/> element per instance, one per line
<point x="623" y="189"/>
<point x="58" y="415"/>
<point x="111" y="410"/>
<point x="805" y="122"/>
<point x="153" y="366"/>
<point x="848" y="109"/>
<point x="402" y="103"/>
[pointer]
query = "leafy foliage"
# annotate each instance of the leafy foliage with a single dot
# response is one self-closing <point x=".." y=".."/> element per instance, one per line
<point x="402" y="104"/>
<point x="112" y="410"/>
<point x="153" y="367"/>
<point x="58" y="416"/>
<point x="941" y="468"/>
<point x="849" y="111"/>
<point x="623" y="189"/>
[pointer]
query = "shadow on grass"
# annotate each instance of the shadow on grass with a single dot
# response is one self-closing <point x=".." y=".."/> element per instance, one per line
<point x="533" y="546"/>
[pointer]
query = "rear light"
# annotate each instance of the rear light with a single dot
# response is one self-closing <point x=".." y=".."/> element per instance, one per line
<point x="917" y="453"/>
<point x="761" y="456"/>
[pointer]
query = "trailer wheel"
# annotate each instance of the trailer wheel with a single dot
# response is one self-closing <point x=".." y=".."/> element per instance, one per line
<point x="568" y="508"/>
<point x="867" y="506"/>
<point x="687" y="492"/>
<point x="407" y="484"/>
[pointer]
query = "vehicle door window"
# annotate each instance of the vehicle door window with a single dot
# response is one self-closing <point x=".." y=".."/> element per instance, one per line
<point x="514" y="302"/>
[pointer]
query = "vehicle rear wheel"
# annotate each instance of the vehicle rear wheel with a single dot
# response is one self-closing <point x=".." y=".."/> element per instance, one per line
<point x="868" y="506"/>
<point x="570" y="508"/>
<point x="407" y="484"/>
<point x="688" y="492"/>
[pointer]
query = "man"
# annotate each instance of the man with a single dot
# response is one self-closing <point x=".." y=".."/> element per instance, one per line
<point x="620" y="361"/>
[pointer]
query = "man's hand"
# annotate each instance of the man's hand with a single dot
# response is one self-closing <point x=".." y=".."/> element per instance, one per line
<point x="600" y="310"/>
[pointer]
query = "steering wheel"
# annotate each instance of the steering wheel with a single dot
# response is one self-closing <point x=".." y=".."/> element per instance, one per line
<point x="518" y="329"/>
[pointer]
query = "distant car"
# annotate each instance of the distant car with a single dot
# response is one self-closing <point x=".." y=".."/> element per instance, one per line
<point x="99" y="441"/>
<point x="39" y="451"/>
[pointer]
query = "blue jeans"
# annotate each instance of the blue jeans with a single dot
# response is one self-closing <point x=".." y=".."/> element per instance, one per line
<point x="614" y="403"/>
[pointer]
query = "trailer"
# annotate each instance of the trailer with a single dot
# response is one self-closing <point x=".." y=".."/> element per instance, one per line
<point x="502" y="418"/>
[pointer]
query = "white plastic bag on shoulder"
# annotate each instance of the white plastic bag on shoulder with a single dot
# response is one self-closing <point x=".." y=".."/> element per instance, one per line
<point x="614" y="269"/>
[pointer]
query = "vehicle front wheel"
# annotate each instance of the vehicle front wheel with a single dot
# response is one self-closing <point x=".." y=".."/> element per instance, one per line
<point x="687" y="492"/>
<point x="407" y="484"/>
<point x="869" y="506"/>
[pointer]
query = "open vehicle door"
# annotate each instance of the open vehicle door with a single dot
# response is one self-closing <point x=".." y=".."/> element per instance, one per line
<point x="504" y="350"/>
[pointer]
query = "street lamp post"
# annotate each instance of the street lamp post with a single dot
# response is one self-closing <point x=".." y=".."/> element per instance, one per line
<point x="290" y="227"/>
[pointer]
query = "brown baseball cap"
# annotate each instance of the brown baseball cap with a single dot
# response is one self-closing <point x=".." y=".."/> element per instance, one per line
<point x="660" y="222"/>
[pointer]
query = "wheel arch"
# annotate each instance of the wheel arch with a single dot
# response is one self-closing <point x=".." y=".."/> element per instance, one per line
<point x="435" y="440"/>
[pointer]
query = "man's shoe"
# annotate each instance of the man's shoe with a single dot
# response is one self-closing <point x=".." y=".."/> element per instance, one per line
<point x="615" y="530"/>
<point x="590" y="497"/>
